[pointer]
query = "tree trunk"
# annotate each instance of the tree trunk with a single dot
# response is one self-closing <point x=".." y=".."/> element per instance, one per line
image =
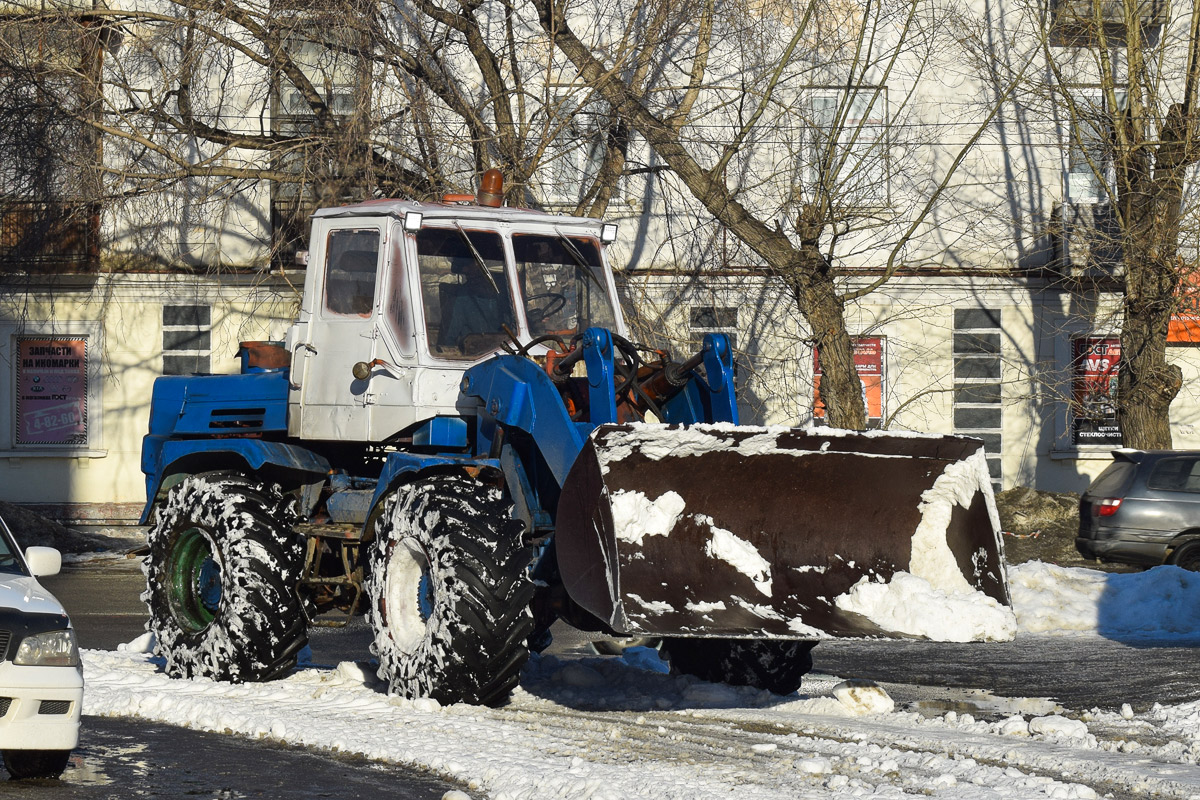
<point x="1151" y="203"/>
<point x="803" y="268"/>
<point x="1146" y="383"/>
<point x="812" y="288"/>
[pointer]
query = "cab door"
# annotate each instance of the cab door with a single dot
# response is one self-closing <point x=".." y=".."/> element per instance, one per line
<point x="343" y="329"/>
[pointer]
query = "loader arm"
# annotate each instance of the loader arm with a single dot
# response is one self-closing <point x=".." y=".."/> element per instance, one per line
<point x="703" y="528"/>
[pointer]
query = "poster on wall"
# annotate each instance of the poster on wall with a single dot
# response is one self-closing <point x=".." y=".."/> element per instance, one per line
<point x="1184" y="327"/>
<point x="868" y="363"/>
<point x="52" y="391"/>
<point x="1097" y="362"/>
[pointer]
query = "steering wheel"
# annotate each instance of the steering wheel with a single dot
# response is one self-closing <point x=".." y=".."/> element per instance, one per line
<point x="556" y="303"/>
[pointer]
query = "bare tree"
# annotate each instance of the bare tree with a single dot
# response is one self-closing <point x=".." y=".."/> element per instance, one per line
<point x="775" y="116"/>
<point x="1137" y="131"/>
<point x="1119" y="80"/>
<point x="205" y="107"/>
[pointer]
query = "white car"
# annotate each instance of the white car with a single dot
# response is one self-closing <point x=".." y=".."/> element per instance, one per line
<point x="41" y="677"/>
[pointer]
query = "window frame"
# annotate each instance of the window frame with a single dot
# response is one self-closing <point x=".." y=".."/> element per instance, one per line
<point x="1089" y="188"/>
<point x="843" y="120"/>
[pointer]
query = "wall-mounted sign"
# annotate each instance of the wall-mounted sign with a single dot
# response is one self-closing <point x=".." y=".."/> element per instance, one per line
<point x="1184" y="327"/>
<point x="52" y="391"/>
<point x="868" y="363"/>
<point x="1097" y="362"/>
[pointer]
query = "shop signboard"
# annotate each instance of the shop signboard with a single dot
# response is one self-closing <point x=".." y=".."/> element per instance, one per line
<point x="1097" y="362"/>
<point x="52" y="391"/>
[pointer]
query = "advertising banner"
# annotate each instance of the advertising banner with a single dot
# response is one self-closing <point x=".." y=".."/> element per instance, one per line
<point x="51" y="391"/>
<point x="868" y="363"/>
<point x="1184" y="327"/>
<point x="1097" y="362"/>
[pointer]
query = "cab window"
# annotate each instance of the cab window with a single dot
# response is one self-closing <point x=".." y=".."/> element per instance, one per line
<point x="563" y="284"/>
<point x="464" y="291"/>
<point x="351" y="261"/>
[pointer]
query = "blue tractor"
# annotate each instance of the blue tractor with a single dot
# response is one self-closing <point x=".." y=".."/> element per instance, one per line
<point x="459" y="440"/>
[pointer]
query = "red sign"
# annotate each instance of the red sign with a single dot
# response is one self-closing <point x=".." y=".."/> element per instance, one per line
<point x="1097" y="362"/>
<point x="868" y="363"/>
<point x="1184" y="327"/>
<point x="51" y="391"/>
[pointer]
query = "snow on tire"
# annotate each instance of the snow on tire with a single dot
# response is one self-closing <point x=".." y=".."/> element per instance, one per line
<point x="448" y="592"/>
<point x="777" y="665"/>
<point x="221" y="581"/>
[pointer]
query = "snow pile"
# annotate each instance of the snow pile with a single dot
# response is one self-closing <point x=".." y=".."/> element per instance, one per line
<point x="617" y="728"/>
<point x="1160" y="603"/>
<point x="606" y="728"/>
<point x="934" y="599"/>
<point x="657" y="441"/>
<point x="636" y="516"/>
<point x="908" y="604"/>
<point x="932" y="559"/>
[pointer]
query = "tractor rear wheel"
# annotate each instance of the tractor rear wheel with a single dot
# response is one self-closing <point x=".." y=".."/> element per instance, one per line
<point x="221" y="581"/>
<point x="448" y="592"/>
<point x="776" y="665"/>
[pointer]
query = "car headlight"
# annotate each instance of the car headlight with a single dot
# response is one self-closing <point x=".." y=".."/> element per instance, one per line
<point x="50" y="649"/>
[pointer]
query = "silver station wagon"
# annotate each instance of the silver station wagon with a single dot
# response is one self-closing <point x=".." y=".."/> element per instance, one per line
<point x="1144" y="509"/>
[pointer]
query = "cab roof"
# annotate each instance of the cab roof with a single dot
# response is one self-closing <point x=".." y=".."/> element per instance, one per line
<point x="457" y="211"/>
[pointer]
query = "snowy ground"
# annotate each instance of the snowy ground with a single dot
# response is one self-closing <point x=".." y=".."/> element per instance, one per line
<point x="622" y="728"/>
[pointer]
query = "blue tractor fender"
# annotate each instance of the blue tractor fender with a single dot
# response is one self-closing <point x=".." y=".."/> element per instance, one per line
<point x="517" y="393"/>
<point x="172" y="456"/>
<point x="401" y="467"/>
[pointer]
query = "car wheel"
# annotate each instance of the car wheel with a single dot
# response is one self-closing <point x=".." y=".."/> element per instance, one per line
<point x="22" y="764"/>
<point x="1187" y="555"/>
<point x="449" y="592"/>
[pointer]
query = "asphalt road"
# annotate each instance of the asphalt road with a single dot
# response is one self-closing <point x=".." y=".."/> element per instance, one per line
<point x="123" y="758"/>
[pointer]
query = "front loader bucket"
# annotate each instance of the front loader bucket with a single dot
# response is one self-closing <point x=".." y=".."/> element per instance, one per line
<point x="719" y="530"/>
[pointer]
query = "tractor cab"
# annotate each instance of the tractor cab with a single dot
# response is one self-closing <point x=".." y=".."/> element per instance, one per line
<point x="401" y="298"/>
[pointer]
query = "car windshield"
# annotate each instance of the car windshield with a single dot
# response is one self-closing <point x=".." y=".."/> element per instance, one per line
<point x="563" y="284"/>
<point x="9" y="562"/>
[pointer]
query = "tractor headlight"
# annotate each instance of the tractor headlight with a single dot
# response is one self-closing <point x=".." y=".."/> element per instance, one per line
<point x="50" y="649"/>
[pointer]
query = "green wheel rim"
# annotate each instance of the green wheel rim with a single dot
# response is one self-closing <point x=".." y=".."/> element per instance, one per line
<point x="194" y="581"/>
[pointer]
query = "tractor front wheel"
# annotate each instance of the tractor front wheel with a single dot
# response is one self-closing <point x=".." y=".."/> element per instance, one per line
<point x="776" y="665"/>
<point x="221" y="581"/>
<point x="449" y="593"/>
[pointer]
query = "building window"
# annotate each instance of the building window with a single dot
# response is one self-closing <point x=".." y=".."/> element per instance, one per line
<point x="978" y="389"/>
<point x="577" y="149"/>
<point x="339" y="77"/>
<point x="1088" y="23"/>
<point x="869" y="364"/>
<point x="49" y="180"/>
<point x="186" y="340"/>
<point x="848" y="146"/>
<point x="1088" y="171"/>
<point x="1096" y="363"/>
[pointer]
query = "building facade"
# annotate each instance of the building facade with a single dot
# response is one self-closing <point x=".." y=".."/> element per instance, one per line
<point x="142" y="249"/>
